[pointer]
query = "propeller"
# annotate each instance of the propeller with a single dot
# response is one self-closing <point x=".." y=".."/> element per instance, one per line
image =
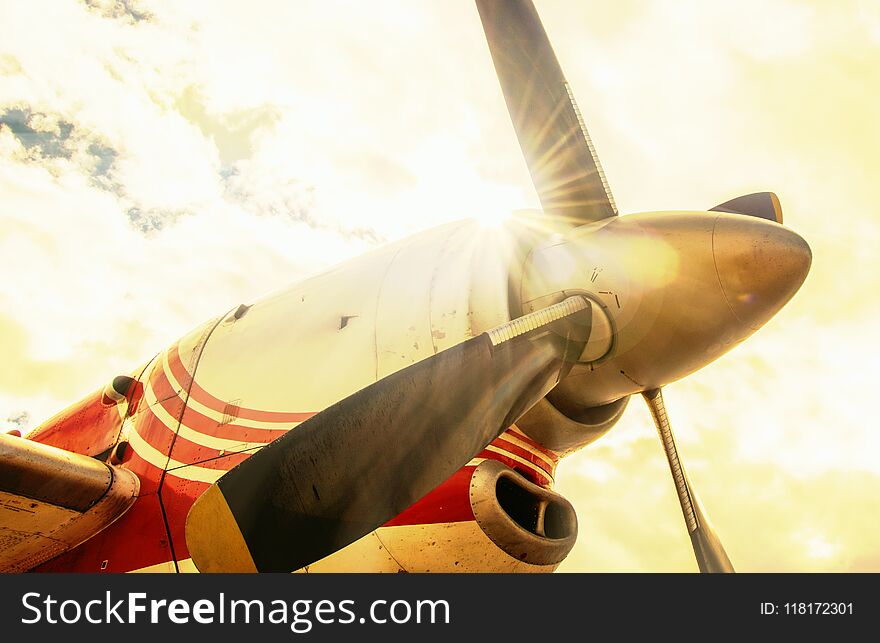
<point x="555" y="143"/>
<point x="708" y="549"/>
<point x="360" y="462"/>
<point x="764" y="205"/>
<point x="572" y="186"/>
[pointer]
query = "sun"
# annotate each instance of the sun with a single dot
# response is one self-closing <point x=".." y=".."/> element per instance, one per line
<point x="493" y="217"/>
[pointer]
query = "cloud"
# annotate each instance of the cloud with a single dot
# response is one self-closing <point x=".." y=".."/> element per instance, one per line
<point x="118" y="211"/>
<point x="57" y="145"/>
<point x="126" y="10"/>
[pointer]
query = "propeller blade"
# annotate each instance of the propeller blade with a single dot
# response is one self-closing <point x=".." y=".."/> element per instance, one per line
<point x="764" y="205"/>
<point x="359" y="463"/>
<point x="557" y="148"/>
<point x="708" y="549"/>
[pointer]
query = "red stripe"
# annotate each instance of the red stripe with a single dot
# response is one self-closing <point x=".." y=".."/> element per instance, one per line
<point x="152" y="427"/>
<point x="206" y="399"/>
<point x="537" y="446"/>
<point x="209" y="426"/>
<point x="136" y="464"/>
<point x="149" y="473"/>
<point x="528" y="472"/>
<point x="159" y="383"/>
<point x="152" y="430"/>
<point x="525" y="454"/>
<point x="171" y="403"/>
<point x="188" y="452"/>
<point x="450" y="502"/>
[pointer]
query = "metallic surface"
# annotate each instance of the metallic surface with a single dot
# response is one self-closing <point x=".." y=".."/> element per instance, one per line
<point x="51" y="475"/>
<point x="760" y="204"/>
<point x="90" y="426"/>
<point x="564" y="433"/>
<point x="680" y="288"/>
<point x="759" y="267"/>
<point x="52" y="500"/>
<point x="708" y="549"/>
<point x="533" y="321"/>
<point x="537" y="542"/>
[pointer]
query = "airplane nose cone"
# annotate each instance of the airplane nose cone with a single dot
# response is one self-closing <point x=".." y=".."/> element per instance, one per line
<point x="760" y="265"/>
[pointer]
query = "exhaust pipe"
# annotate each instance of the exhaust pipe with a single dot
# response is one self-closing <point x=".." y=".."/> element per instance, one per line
<point x="530" y="523"/>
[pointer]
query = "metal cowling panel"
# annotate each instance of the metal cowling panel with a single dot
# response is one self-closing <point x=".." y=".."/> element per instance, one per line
<point x="51" y="475"/>
<point x="52" y="500"/>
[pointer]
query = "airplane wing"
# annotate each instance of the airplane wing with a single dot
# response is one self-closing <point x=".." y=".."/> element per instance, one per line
<point x="52" y="500"/>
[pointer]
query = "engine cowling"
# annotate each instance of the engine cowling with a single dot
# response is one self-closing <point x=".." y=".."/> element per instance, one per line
<point x="562" y="425"/>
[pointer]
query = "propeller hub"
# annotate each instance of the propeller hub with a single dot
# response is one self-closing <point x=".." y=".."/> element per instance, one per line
<point x="760" y="266"/>
<point x="680" y="289"/>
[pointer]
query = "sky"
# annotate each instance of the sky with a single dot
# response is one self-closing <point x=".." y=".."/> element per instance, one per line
<point x="161" y="162"/>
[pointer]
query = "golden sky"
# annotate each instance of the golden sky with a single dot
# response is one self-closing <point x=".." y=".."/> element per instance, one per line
<point x="171" y="160"/>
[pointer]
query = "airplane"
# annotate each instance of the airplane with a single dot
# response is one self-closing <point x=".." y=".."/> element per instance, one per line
<point x="406" y="410"/>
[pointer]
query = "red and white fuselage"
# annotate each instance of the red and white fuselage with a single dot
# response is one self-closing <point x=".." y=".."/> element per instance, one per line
<point x="241" y="380"/>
